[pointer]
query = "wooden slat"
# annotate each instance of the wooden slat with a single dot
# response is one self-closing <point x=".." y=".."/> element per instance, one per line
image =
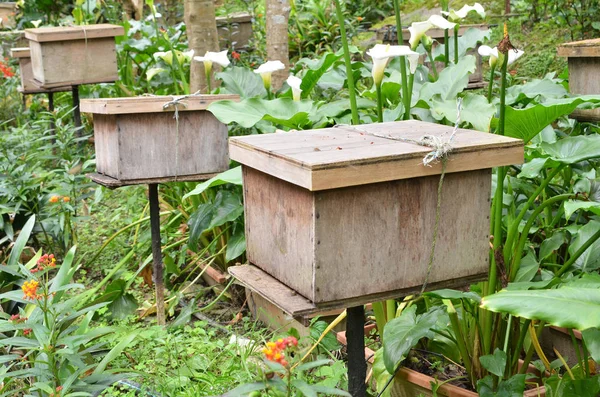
<point x="65" y="33"/>
<point x="21" y="52"/>
<point x="150" y="104"/>
<point x="334" y="157"/>
<point x="584" y="48"/>
<point x="113" y="183"/>
<point x="234" y="18"/>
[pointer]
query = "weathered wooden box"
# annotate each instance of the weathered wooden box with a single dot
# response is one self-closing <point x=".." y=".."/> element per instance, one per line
<point x="234" y="30"/>
<point x="26" y="73"/>
<point x="8" y="10"/>
<point x="74" y="55"/>
<point x="584" y="73"/>
<point x="342" y="217"/>
<point x="143" y="139"/>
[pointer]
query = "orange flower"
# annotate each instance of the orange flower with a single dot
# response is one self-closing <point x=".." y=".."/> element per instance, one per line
<point x="359" y="19"/>
<point x="26" y="331"/>
<point x="66" y="199"/>
<point x="235" y="55"/>
<point x="274" y="351"/>
<point x="54" y="199"/>
<point x="30" y="289"/>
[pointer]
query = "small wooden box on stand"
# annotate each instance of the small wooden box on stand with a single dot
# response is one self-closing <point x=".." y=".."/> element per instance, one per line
<point x="74" y="55"/>
<point x="584" y="73"/>
<point x="234" y="30"/>
<point x="8" y="9"/>
<point x="26" y="72"/>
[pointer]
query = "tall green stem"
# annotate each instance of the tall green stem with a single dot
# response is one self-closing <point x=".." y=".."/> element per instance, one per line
<point x="491" y="83"/>
<point x="460" y="337"/>
<point x="445" y="8"/>
<point x="208" y="82"/>
<point x="379" y="311"/>
<point x="405" y="88"/>
<point x="456" y="27"/>
<point x="349" y="73"/>
<point x="379" y="103"/>
<point x="433" y="67"/>
<point x="411" y="81"/>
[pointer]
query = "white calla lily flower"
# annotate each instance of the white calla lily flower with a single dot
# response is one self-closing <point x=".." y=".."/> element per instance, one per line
<point x="295" y="82"/>
<point x="36" y="23"/>
<point x="210" y="57"/>
<point x="487" y="51"/>
<point x="462" y="13"/>
<point x="382" y="53"/>
<point x="418" y="29"/>
<point x="266" y="69"/>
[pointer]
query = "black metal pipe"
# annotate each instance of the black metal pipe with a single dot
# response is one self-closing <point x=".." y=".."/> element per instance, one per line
<point x="157" y="266"/>
<point x="357" y="366"/>
<point x="77" y="110"/>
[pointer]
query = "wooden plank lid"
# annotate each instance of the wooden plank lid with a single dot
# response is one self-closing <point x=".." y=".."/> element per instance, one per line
<point x="357" y="155"/>
<point x="583" y="48"/>
<point x="21" y="52"/>
<point x="151" y="104"/>
<point x="236" y="17"/>
<point x="83" y="32"/>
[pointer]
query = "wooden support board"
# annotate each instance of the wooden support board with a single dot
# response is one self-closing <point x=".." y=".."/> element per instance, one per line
<point x="113" y="183"/>
<point x="152" y="104"/>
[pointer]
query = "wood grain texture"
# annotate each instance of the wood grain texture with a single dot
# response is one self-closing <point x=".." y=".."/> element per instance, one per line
<point x="381" y="234"/>
<point x="106" y="144"/>
<point x="20" y="52"/>
<point x="26" y="74"/>
<point x="279" y="221"/>
<point x="74" y="62"/>
<point x="151" y="104"/>
<point x="584" y="75"/>
<point x="347" y="156"/>
<point x="584" y="48"/>
<point x="112" y="183"/>
<point x="65" y="33"/>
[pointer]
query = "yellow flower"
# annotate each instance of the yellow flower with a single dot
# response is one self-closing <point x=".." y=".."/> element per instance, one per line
<point x="30" y="289"/>
<point x="54" y="199"/>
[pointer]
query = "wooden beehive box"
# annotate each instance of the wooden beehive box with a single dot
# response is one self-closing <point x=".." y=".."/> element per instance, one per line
<point x="338" y="217"/>
<point x="73" y="55"/>
<point x="26" y="73"/>
<point x="584" y="73"/>
<point x="388" y="35"/>
<point x="142" y="140"/>
<point x="7" y="14"/>
<point x="234" y="30"/>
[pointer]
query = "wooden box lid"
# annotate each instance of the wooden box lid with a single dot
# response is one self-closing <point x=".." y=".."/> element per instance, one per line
<point x="583" y="48"/>
<point x="358" y="155"/>
<point x="64" y="33"/>
<point x="21" y="52"/>
<point x="236" y="17"/>
<point x="8" y="4"/>
<point x="151" y="104"/>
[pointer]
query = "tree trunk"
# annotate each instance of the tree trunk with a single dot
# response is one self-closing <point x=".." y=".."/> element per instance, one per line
<point x="278" y="15"/>
<point x="202" y="36"/>
<point x="133" y="9"/>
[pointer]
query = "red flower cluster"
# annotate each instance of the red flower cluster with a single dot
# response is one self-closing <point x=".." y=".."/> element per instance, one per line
<point x="26" y="331"/>
<point x="16" y="319"/>
<point x="44" y="262"/>
<point x="58" y="390"/>
<point x="274" y="351"/>
<point x="5" y="70"/>
<point x="235" y="55"/>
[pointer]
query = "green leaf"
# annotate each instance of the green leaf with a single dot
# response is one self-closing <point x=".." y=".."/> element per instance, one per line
<point x="304" y="388"/>
<point x="453" y="294"/>
<point x="573" y="149"/>
<point x="244" y="390"/>
<point x="571" y="206"/>
<point x="330" y="391"/>
<point x="512" y="387"/>
<point x="466" y="41"/>
<point x="329" y="342"/>
<point x="17" y="248"/>
<point x="590" y="259"/>
<point x="567" y="307"/>
<point x="313" y="364"/>
<point x="236" y="244"/>
<point x="552" y="243"/>
<point x="339" y="107"/>
<point x="241" y="81"/>
<point x="115" y="352"/>
<point x="317" y="68"/>
<point x="591" y="337"/>
<point x="233" y="176"/>
<point x="185" y="316"/>
<point x="528" y="269"/>
<point x="539" y="88"/>
<point x="64" y="275"/>
<point x="494" y="363"/>
<point x="475" y="110"/>
<point x="451" y="81"/>
<point x="281" y="111"/>
<point x="381" y="374"/>
<point x="566" y="387"/>
<point x="404" y="332"/>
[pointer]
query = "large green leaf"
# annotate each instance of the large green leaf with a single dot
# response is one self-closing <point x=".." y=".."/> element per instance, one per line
<point x="468" y="40"/>
<point x="404" y="332"/>
<point x="233" y="176"/>
<point x="573" y="149"/>
<point x="236" y="244"/>
<point x="281" y="111"/>
<point x="511" y="387"/>
<point x="567" y="307"/>
<point x="494" y="363"/>
<point x="565" y="387"/>
<point x="241" y="81"/>
<point x="451" y="81"/>
<point x="545" y="88"/>
<point x="591" y="337"/>
<point x="476" y="110"/>
<point x="381" y="374"/>
<point x="590" y="259"/>
<point x="317" y="68"/>
<point x="573" y="205"/>
<point x="17" y="248"/>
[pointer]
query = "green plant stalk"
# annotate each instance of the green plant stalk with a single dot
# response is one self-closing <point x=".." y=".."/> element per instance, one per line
<point x="380" y="318"/>
<point x="577" y="254"/>
<point x="460" y="338"/>
<point x="348" y="62"/>
<point x="379" y="103"/>
<point x="491" y="83"/>
<point x="208" y="82"/>
<point x="522" y="335"/>
<point x="531" y="349"/>
<point x="433" y="67"/>
<point x="405" y="93"/>
<point x="497" y="215"/>
<point x="390" y="306"/>
<point x="514" y="227"/>
<point x="411" y="81"/>
<point x="576" y="348"/>
<point x="456" y="27"/>
<point x="586" y="360"/>
<point x="516" y="263"/>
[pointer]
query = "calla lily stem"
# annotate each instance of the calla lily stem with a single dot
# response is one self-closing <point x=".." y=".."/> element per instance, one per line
<point x="399" y="35"/>
<point x="433" y="66"/>
<point x="456" y="27"/>
<point x="491" y="83"/>
<point x="208" y="82"/>
<point x="349" y="71"/>
<point x="379" y="103"/>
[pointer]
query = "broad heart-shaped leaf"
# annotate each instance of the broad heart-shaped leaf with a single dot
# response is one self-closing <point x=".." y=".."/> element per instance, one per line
<point x="573" y="149"/>
<point x="233" y="175"/>
<point x="494" y="363"/>
<point x="511" y="387"/>
<point x="590" y="259"/>
<point x="280" y="111"/>
<point x="591" y="337"/>
<point x="317" y="69"/>
<point x="404" y="332"/>
<point x="475" y="110"/>
<point x="566" y="387"/>
<point x="467" y="41"/>
<point x="552" y="243"/>
<point x="527" y="123"/>
<point x="573" y="205"/>
<point x="241" y="81"/>
<point x="567" y="307"/>
<point x="236" y="244"/>
<point x="545" y="88"/>
<point x="451" y="81"/>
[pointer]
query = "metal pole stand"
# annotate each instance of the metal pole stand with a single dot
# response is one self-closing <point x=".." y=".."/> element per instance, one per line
<point x="77" y="111"/>
<point x="357" y="366"/>
<point x="157" y="266"/>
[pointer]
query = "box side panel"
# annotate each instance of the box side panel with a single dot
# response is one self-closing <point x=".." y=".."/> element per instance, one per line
<point x="77" y="62"/>
<point x="279" y="229"/>
<point x="26" y="72"/>
<point x="153" y="146"/>
<point x="584" y="76"/>
<point x="106" y="142"/>
<point x="376" y="238"/>
<point x="36" y="60"/>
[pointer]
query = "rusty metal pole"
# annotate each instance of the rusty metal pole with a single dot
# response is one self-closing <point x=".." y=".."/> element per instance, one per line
<point x="357" y="366"/>
<point x="157" y="267"/>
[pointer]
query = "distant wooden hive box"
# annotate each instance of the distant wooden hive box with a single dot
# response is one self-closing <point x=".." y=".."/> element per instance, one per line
<point x="74" y="55"/>
<point x="234" y="30"/>
<point x="340" y="217"/>
<point x="143" y="140"/>
<point x="584" y="73"/>
<point x="388" y="35"/>
<point x="26" y="73"/>
<point x="8" y="11"/>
